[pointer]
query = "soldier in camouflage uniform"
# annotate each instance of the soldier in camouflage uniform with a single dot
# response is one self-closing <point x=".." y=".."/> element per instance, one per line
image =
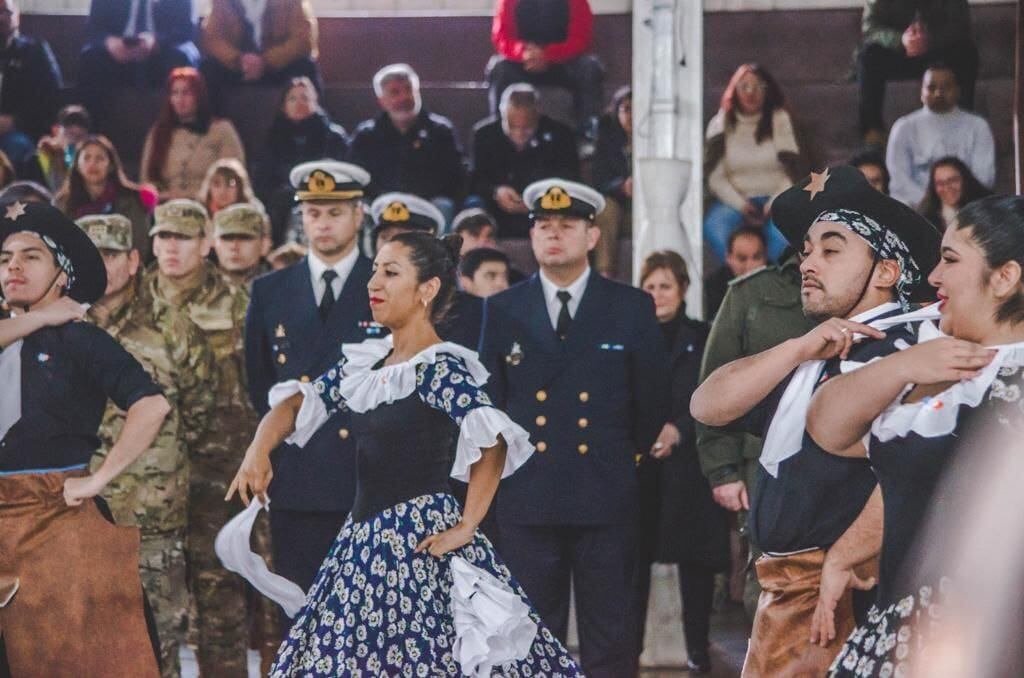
<point x="152" y="493"/>
<point x="241" y="239"/>
<point x="184" y="279"/>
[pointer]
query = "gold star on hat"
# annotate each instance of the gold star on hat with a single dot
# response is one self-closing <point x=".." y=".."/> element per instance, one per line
<point x="15" y="210"/>
<point x="817" y="183"/>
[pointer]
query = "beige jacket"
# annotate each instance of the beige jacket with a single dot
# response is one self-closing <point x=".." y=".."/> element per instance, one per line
<point x="189" y="156"/>
<point x="289" y="32"/>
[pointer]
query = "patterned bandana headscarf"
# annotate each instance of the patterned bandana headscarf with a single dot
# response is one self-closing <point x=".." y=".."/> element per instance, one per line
<point x="885" y="243"/>
<point x="63" y="260"/>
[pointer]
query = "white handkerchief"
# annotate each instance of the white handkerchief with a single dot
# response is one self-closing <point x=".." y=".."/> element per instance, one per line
<point x="232" y="547"/>
<point x="10" y="374"/>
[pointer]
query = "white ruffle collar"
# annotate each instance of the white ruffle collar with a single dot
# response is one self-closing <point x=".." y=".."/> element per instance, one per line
<point x="937" y="415"/>
<point x="364" y="388"/>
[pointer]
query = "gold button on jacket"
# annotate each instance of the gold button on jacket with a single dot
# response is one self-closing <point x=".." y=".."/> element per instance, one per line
<point x="542" y="446"/>
<point x="343" y="433"/>
<point x="542" y="396"/>
<point x="583" y="449"/>
<point x="541" y="420"/>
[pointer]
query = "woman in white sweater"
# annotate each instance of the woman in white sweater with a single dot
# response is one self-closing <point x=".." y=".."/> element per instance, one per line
<point x="751" y="155"/>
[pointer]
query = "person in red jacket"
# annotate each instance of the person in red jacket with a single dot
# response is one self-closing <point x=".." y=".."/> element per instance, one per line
<point x="544" y="42"/>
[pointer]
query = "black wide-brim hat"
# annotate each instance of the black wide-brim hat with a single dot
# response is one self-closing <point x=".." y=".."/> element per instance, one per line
<point x="796" y="209"/>
<point x="49" y="223"/>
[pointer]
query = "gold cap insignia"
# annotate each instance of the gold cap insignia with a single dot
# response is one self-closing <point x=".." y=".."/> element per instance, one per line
<point x="321" y="182"/>
<point x="396" y="211"/>
<point x="555" y="199"/>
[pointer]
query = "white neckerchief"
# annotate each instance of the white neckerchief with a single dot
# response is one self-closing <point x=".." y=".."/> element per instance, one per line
<point x="551" y="290"/>
<point x="10" y="374"/>
<point x="786" y="431"/>
<point x="937" y="415"/>
<point x="343" y="268"/>
<point x="254" y="10"/>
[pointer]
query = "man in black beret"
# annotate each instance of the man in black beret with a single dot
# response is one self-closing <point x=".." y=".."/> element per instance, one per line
<point x="865" y="258"/>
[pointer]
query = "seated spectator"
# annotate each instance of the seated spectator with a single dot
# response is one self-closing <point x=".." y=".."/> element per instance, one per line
<point x="226" y="183"/>
<point x="484" y="271"/>
<point x="901" y="38"/>
<point x="751" y="154"/>
<point x="25" y="191"/>
<point x="745" y="253"/>
<point x="97" y="185"/>
<point x="937" y="129"/>
<point x="52" y="158"/>
<point x="407" y="148"/>
<point x="513" y="151"/>
<point x="951" y="186"/>
<point x="477" y="229"/>
<point x="301" y="132"/>
<point x="133" y="43"/>
<point x="30" y="82"/>
<point x="872" y="165"/>
<point x="186" y="138"/>
<point x="613" y="176"/>
<point x="267" y="42"/>
<point x="544" y="42"/>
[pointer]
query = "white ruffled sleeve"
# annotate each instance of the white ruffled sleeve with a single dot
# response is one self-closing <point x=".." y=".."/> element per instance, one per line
<point x="480" y="429"/>
<point x="312" y="414"/>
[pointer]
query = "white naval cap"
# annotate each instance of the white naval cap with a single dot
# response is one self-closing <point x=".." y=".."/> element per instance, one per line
<point x="405" y="209"/>
<point x="328" y="180"/>
<point x="561" y="197"/>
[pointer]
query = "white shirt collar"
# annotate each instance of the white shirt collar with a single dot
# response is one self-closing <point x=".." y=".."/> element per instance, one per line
<point x="343" y="268"/>
<point x="551" y="290"/>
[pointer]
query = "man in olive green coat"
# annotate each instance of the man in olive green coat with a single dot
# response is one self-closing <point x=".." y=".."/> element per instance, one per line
<point x="761" y="310"/>
<point x="152" y="493"/>
<point x="184" y="279"/>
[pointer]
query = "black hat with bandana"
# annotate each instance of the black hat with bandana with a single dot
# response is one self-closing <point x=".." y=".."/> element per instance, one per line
<point x="72" y="248"/>
<point x="893" y="230"/>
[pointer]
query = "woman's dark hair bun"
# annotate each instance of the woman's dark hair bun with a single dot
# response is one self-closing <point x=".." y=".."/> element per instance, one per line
<point x="453" y="244"/>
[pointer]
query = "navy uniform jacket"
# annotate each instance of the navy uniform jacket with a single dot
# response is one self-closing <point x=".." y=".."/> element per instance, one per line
<point x="591" y="403"/>
<point x="285" y="339"/>
<point x="425" y="161"/>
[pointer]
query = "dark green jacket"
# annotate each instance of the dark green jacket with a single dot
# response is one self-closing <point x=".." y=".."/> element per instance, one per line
<point x="760" y="310"/>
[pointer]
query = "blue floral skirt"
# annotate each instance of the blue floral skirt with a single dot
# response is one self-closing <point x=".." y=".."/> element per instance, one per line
<point x="884" y="646"/>
<point x="377" y="608"/>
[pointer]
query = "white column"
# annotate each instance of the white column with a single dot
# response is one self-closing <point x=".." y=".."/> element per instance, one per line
<point x="668" y="134"/>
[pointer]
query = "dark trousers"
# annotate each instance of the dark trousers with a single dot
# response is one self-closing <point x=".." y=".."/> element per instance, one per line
<point x="876" y="65"/>
<point x="301" y="541"/>
<point x="219" y="77"/>
<point x="598" y="562"/>
<point x="98" y="73"/>
<point x="583" y="76"/>
<point x="697" y="590"/>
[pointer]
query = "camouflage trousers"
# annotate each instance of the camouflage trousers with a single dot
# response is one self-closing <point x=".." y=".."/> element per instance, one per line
<point x="162" y="568"/>
<point x="227" y="615"/>
<point x="218" y="626"/>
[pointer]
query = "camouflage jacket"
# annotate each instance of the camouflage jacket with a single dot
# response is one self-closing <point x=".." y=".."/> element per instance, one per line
<point x="152" y="493"/>
<point x="218" y="309"/>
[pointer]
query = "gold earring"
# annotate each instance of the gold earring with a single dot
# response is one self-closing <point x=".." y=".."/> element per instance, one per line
<point x="425" y="302"/>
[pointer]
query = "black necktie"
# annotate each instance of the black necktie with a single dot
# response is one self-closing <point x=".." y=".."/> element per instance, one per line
<point x="327" y="301"/>
<point x="564" y="319"/>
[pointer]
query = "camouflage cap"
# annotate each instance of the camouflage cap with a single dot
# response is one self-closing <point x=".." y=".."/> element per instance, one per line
<point x="241" y="219"/>
<point x="182" y="216"/>
<point x="108" y="231"/>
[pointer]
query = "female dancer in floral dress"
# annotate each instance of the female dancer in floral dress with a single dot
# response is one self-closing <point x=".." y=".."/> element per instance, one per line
<point x="386" y="599"/>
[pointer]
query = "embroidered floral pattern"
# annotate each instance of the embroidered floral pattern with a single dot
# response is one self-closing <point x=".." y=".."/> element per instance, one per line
<point x="377" y="608"/>
<point x="326" y="386"/>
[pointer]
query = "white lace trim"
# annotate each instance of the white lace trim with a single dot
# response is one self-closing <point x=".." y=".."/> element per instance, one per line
<point x="492" y="623"/>
<point x="937" y="416"/>
<point x="480" y="429"/>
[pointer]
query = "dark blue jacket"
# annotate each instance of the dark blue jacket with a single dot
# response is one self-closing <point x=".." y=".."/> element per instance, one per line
<point x="172" y="19"/>
<point x="285" y="339"/>
<point x="30" y="84"/>
<point x="591" y="403"/>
